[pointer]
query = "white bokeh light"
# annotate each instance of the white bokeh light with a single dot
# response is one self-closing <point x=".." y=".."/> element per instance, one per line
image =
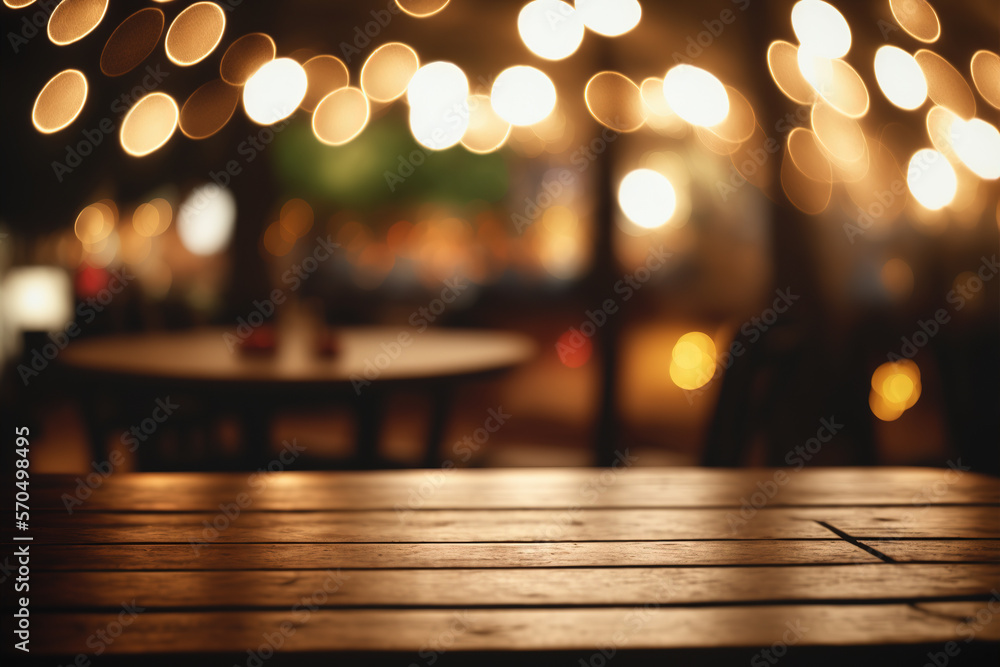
<point x="696" y="95"/>
<point x="610" y="18"/>
<point x="523" y="95"/>
<point x="207" y="219"/>
<point x="931" y="180"/>
<point x="552" y="29"/>
<point x="900" y="78"/>
<point x="977" y="145"/>
<point x="275" y="91"/>
<point x="821" y="28"/>
<point x="647" y="198"/>
<point x="439" y="108"/>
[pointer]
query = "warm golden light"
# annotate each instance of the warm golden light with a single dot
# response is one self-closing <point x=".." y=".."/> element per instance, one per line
<point x="807" y="154"/>
<point x="841" y="137"/>
<point x="523" y="95"/>
<point x="132" y="42"/>
<point x="94" y="223"/>
<point x="696" y="95"/>
<point x="821" y="28"/>
<point x="977" y="145"/>
<point x="422" y="8"/>
<point x="274" y="92"/>
<point x="208" y="109"/>
<point x="931" y="179"/>
<point x="195" y="33"/>
<point x="985" y="67"/>
<point x="897" y="278"/>
<point x="808" y="195"/>
<point x="60" y="101"/>
<point x="945" y="84"/>
<point x="692" y="362"/>
<point x="610" y="18"/>
<point x="551" y="29"/>
<point x="37" y="298"/>
<point x="895" y="389"/>
<point x="245" y="56"/>
<point x="487" y="131"/>
<point x="149" y="124"/>
<point x="152" y="218"/>
<point x="387" y="72"/>
<point x="296" y="218"/>
<point x="917" y="18"/>
<point x="900" y="78"/>
<point x="836" y="81"/>
<point x="325" y="74"/>
<point x="783" y="63"/>
<point x="207" y="219"/>
<point x="615" y="102"/>
<point x="439" y="107"/>
<point x="647" y="198"/>
<point x="340" y="116"/>
<point x="72" y="20"/>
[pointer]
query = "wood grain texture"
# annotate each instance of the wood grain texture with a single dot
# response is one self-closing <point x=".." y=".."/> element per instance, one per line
<point x="980" y="551"/>
<point x="504" y="630"/>
<point x="526" y="587"/>
<point x="513" y="525"/>
<point x="479" y="555"/>
<point x="521" y="489"/>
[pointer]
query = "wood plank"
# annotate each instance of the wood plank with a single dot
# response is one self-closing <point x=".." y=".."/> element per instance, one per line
<point x="502" y="630"/>
<point x="521" y="489"/>
<point x="971" y="551"/>
<point x="483" y="555"/>
<point x="528" y="587"/>
<point x="515" y="525"/>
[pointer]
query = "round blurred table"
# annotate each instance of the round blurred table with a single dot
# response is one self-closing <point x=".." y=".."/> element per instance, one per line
<point x="370" y="361"/>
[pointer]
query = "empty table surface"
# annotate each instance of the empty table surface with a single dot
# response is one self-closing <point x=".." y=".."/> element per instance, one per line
<point x="568" y="564"/>
<point x="372" y="353"/>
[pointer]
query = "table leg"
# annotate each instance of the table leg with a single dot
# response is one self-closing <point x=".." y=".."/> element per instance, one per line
<point x="371" y="411"/>
<point x="440" y="412"/>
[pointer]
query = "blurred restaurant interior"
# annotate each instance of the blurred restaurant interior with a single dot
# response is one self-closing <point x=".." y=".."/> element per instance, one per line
<point x="501" y="234"/>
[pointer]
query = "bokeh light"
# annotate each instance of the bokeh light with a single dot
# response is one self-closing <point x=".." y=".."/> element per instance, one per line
<point x="692" y="363"/>
<point x="439" y="106"/>
<point x="206" y="219"/>
<point x="341" y="116"/>
<point x="917" y="18"/>
<point x="610" y="18"/>
<point x="132" y="42"/>
<point x="386" y="74"/>
<point x="523" y="95"/>
<point x="647" y="198"/>
<point x="487" y="131"/>
<point x="274" y="92"/>
<point x="245" y="56"/>
<point x="60" y="101"/>
<point x="977" y="145"/>
<point x="821" y="28"/>
<point x="551" y="29"/>
<point x="72" y="20"/>
<point x="931" y="179"/>
<point x="195" y="33"/>
<point x="900" y="77"/>
<point x="696" y="95"/>
<point x="149" y="124"/>
<point x="896" y="388"/>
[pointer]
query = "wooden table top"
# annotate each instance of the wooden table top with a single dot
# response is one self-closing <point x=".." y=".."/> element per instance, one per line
<point x="375" y="353"/>
<point x="566" y="560"/>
